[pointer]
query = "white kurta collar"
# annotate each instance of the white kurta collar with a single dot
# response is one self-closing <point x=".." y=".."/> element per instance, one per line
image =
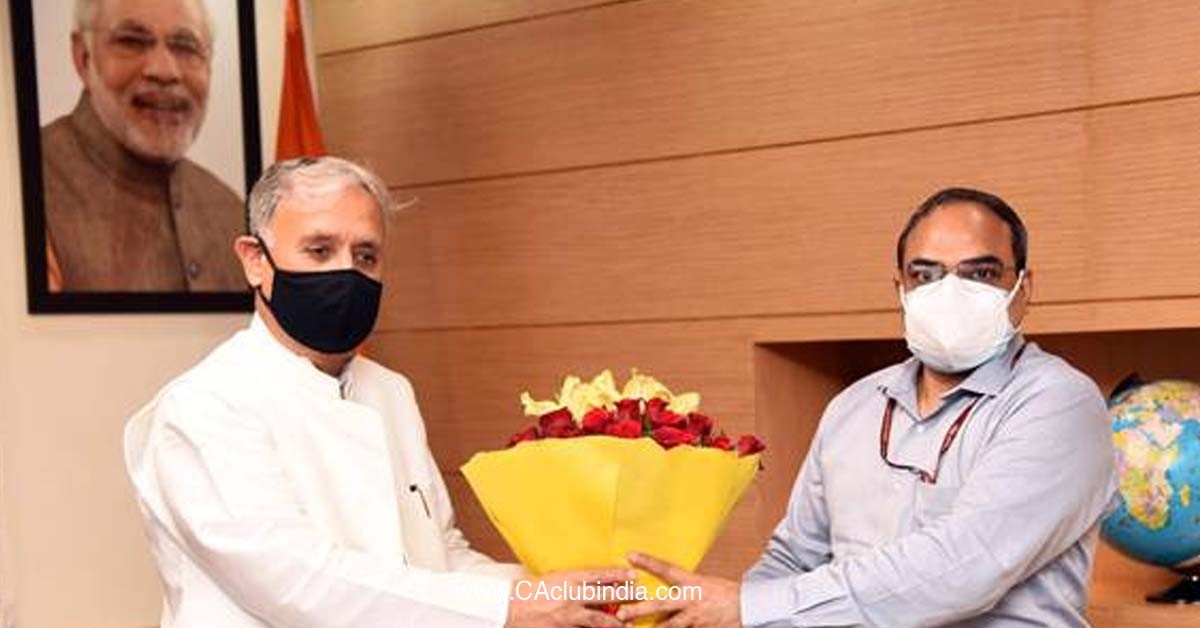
<point x="294" y="367"/>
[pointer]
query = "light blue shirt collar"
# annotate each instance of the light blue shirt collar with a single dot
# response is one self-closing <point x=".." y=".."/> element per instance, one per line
<point x="987" y="379"/>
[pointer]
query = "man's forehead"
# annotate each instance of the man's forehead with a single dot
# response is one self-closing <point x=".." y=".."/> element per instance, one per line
<point x="960" y="230"/>
<point x="350" y="211"/>
<point x="156" y="14"/>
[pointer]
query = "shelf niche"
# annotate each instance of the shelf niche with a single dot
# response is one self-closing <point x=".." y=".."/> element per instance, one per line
<point x="794" y="381"/>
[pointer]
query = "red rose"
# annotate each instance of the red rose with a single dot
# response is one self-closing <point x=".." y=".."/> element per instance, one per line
<point x="625" y="428"/>
<point x="562" y="431"/>
<point x="699" y="425"/>
<point x="558" y="424"/>
<point x="529" y="433"/>
<point x="629" y="410"/>
<point x="595" y="421"/>
<point x="670" y="419"/>
<point x="722" y="442"/>
<point x="660" y="416"/>
<point x="669" y="437"/>
<point x="749" y="444"/>
<point x="558" y="417"/>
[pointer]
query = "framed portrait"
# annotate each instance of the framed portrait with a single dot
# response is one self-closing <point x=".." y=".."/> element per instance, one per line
<point x="139" y="140"/>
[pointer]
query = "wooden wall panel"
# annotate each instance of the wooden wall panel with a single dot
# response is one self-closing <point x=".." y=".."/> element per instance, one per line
<point x="351" y="24"/>
<point x="802" y="229"/>
<point x="1140" y="615"/>
<point x="644" y="79"/>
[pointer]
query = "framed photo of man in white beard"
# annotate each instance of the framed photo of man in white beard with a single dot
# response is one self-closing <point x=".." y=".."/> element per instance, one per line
<point x="139" y="140"/>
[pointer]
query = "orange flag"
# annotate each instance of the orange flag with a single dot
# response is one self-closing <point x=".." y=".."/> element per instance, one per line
<point x="54" y="279"/>
<point x="299" y="131"/>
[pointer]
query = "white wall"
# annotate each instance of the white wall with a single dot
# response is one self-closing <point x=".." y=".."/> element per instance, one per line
<point x="71" y="545"/>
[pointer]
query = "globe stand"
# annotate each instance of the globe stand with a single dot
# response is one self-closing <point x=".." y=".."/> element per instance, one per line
<point x="1187" y="591"/>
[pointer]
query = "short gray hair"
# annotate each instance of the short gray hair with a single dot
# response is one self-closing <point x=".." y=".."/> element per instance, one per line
<point x="309" y="177"/>
<point x="85" y="17"/>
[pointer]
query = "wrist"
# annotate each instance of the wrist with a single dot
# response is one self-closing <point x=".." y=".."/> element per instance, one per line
<point x="762" y="602"/>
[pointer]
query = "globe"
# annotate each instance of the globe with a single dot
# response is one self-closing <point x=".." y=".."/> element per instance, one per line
<point x="1156" y="431"/>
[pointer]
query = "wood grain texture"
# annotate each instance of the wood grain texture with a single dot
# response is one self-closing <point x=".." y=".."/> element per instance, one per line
<point x="1122" y="581"/>
<point x="1140" y="615"/>
<point x="677" y="77"/>
<point x="351" y="24"/>
<point x="1108" y="195"/>
<point x="790" y="393"/>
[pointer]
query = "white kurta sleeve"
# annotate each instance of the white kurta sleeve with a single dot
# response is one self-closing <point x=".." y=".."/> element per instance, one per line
<point x="237" y="516"/>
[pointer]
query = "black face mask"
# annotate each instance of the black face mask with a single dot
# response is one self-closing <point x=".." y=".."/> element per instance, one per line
<point x="331" y="311"/>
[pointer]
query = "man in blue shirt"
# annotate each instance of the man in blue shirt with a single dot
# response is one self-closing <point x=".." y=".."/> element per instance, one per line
<point x="962" y="486"/>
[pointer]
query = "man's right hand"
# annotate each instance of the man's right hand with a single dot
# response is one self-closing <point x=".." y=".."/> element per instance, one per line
<point x="545" y="604"/>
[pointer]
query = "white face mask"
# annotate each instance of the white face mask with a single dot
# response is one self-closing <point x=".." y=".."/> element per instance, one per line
<point x="953" y="325"/>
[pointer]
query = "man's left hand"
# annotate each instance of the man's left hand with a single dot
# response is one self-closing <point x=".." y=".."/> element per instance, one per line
<point x="717" y="606"/>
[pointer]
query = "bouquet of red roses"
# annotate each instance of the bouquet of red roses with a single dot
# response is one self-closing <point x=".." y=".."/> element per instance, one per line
<point x="605" y="472"/>
<point x="636" y="418"/>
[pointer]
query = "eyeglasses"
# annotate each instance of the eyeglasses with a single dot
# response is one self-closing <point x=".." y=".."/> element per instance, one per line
<point x="992" y="272"/>
<point x="885" y="432"/>
<point x="136" y="42"/>
<point x="885" y="437"/>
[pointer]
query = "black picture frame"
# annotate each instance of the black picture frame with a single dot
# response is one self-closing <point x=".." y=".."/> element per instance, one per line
<point x="40" y="299"/>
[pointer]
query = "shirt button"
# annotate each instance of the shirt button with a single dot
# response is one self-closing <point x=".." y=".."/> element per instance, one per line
<point x="193" y="270"/>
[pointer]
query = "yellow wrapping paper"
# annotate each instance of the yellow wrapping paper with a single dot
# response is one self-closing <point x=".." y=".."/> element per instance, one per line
<point x="583" y="503"/>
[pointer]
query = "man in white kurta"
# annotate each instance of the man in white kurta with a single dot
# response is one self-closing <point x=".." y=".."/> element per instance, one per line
<point x="283" y="485"/>
<point x="261" y="474"/>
